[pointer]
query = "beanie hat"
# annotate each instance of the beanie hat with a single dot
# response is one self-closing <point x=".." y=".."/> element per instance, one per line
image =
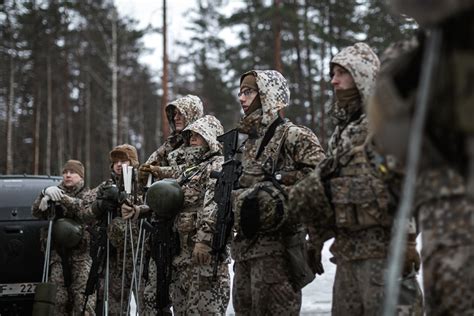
<point x="74" y="166"/>
<point x="125" y="152"/>
<point x="249" y="81"/>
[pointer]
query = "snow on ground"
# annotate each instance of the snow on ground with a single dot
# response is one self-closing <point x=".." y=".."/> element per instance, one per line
<point x="317" y="296"/>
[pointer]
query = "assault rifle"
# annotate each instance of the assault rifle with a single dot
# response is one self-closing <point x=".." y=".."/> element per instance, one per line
<point x="227" y="180"/>
<point x="164" y="246"/>
<point x="98" y="253"/>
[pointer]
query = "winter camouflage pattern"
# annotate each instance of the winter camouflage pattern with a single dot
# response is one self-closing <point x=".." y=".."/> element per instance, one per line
<point x="193" y="292"/>
<point x="446" y="218"/>
<point x="358" y="289"/>
<point x="116" y="232"/>
<point x="293" y="151"/>
<point x="191" y="108"/>
<point x="445" y="213"/>
<point x="274" y="93"/>
<point x="261" y="287"/>
<point x="363" y="65"/>
<point x="431" y="12"/>
<point x="353" y="203"/>
<point x="75" y="205"/>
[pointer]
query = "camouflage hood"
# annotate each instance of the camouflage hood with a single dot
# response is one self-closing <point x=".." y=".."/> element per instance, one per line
<point x="274" y="93"/>
<point x="363" y="65"/>
<point x="190" y="106"/>
<point x="209" y="127"/>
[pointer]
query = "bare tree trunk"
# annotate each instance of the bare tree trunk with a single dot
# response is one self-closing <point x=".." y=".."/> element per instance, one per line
<point x="277" y="36"/>
<point x="49" y="123"/>
<point x="88" y="125"/>
<point x="36" y="136"/>
<point x="113" y="65"/>
<point x="10" y="105"/>
<point x="322" y="98"/>
<point x="164" y="99"/>
<point x="309" y="79"/>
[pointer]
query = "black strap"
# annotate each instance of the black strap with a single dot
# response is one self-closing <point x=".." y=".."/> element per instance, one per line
<point x="268" y="135"/>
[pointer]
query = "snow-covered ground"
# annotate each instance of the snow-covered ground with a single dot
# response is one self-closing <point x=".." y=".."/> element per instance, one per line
<point x="317" y="296"/>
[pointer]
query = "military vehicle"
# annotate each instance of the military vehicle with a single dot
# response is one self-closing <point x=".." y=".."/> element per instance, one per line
<point x="21" y="259"/>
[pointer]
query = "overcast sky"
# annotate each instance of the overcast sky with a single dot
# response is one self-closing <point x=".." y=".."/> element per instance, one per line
<point x="149" y="12"/>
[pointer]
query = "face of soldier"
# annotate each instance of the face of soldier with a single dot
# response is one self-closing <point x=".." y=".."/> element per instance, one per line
<point x="246" y="97"/>
<point x="179" y="121"/>
<point x="70" y="178"/>
<point x="197" y="140"/>
<point x="342" y="79"/>
<point x="117" y="166"/>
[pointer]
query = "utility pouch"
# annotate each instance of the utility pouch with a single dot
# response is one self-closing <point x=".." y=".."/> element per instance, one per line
<point x="300" y="272"/>
<point x="262" y="209"/>
<point x="250" y="215"/>
<point x="45" y="299"/>
<point x="360" y="202"/>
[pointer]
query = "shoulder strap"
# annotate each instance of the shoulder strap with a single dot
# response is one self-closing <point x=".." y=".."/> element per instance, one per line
<point x="268" y="135"/>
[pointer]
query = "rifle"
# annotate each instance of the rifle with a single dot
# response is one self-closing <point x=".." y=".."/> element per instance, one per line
<point x="227" y="180"/>
<point x="164" y="246"/>
<point x="98" y="253"/>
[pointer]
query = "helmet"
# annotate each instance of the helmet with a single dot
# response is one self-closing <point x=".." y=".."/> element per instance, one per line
<point x="67" y="233"/>
<point x="165" y="198"/>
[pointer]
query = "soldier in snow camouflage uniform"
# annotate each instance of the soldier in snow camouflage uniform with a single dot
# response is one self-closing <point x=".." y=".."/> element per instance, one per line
<point x="193" y="290"/>
<point x="180" y="113"/>
<point x="275" y="155"/>
<point x="444" y="196"/>
<point x="347" y="197"/>
<point x="71" y="201"/>
<point x="108" y="201"/>
<point x="168" y="161"/>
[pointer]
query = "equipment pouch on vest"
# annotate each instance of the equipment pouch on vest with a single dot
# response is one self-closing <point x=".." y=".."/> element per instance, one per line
<point x="360" y="202"/>
<point x="262" y="209"/>
<point x="300" y="271"/>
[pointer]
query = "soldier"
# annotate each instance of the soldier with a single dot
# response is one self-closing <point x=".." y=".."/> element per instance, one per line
<point x="347" y="197"/>
<point x="443" y="201"/>
<point x="70" y="260"/>
<point x="165" y="162"/>
<point x="180" y="113"/>
<point x="193" y="290"/>
<point x="268" y="248"/>
<point x="110" y="200"/>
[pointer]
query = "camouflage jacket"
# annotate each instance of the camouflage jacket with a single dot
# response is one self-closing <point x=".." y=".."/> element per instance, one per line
<point x="196" y="222"/>
<point x="191" y="108"/>
<point x="444" y="160"/>
<point x="75" y="205"/>
<point x="292" y="151"/>
<point x="358" y="194"/>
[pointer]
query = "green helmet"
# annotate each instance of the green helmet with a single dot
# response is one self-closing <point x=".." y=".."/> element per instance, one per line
<point x="67" y="233"/>
<point x="165" y="198"/>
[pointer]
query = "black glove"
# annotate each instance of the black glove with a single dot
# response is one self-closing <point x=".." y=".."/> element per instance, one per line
<point x="108" y="192"/>
<point x="101" y="207"/>
<point x="314" y="260"/>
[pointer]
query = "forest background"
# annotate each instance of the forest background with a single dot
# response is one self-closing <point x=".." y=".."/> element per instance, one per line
<point x="72" y="85"/>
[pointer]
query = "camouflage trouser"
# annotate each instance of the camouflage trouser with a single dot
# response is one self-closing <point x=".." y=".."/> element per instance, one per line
<point x="359" y="285"/>
<point x="193" y="291"/>
<point x="447" y="226"/>
<point x="79" y="274"/>
<point x="448" y="279"/>
<point x="148" y="300"/>
<point x="115" y="286"/>
<point x="262" y="287"/>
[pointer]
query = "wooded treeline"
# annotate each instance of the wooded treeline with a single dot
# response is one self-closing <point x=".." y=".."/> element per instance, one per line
<point x="71" y="85"/>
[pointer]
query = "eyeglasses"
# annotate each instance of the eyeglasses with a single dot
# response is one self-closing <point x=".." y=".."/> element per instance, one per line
<point x="246" y="92"/>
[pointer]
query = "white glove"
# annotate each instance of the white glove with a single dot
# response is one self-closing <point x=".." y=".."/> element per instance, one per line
<point x="43" y="206"/>
<point x="54" y="192"/>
